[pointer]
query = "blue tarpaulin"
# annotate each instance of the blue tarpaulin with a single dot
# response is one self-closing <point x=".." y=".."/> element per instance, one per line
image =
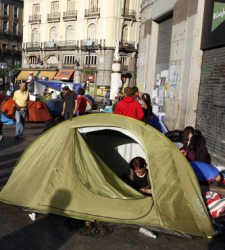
<point x="58" y="85"/>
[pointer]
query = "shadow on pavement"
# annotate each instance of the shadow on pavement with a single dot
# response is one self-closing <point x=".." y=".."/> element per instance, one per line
<point x="45" y="233"/>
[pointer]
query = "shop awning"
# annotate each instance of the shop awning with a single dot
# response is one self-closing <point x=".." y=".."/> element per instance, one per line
<point x="47" y="74"/>
<point x="24" y="74"/>
<point x="64" y="74"/>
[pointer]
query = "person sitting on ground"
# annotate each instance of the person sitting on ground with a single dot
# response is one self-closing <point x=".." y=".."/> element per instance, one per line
<point x="147" y="108"/>
<point x="128" y="106"/>
<point x="138" y="176"/>
<point x="188" y="132"/>
<point x="197" y="150"/>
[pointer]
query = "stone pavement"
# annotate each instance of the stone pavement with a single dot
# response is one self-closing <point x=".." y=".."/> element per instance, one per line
<point x="51" y="232"/>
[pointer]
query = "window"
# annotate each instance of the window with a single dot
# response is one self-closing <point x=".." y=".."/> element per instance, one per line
<point x="16" y="11"/>
<point x="69" y="59"/>
<point x="90" y="60"/>
<point x="124" y="60"/>
<point x="93" y="4"/>
<point x="92" y="32"/>
<point x="4" y="46"/>
<point x="15" y="28"/>
<point x="36" y="9"/>
<point x="5" y="26"/>
<point x="125" y="33"/>
<point x="54" y="7"/>
<point x="53" y="34"/>
<point x="6" y="9"/>
<point x="70" y="5"/>
<point x="35" y="36"/>
<point x="14" y="47"/>
<point x="69" y="33"/>
<point x="32" y="60"/>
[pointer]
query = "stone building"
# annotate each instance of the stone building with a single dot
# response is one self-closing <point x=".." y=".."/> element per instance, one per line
<point x="79" y="39"/>
<point x="11" y="28"/>
<point x="181" y="64"/>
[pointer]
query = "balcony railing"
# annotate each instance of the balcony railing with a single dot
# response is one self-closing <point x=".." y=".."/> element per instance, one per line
<point x="90" y="44"/>
<point x="69" y="44"/>
<point x="35" y="19"/>
<point x="53" y="17"/>
<point x="70" y="15"/>
<point x="5" y="34"/>
<point x="35" y="45"/>
<point x="91" y="13"/>
<point x="128" y="14"/>
<point x="125" y="45"/>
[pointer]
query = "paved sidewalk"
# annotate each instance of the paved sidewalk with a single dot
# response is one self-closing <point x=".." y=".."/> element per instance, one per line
<point x="51" y="232"/>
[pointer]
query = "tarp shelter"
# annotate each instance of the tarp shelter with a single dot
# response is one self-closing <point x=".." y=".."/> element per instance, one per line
<point x="75" y="167"/>
<point x="7" y="107"/>
<point x="55" y="107"/>
<point x="38" y="112"/>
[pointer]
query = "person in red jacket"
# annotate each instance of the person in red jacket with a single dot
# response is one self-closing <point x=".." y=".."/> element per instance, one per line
<point x="128" y="106"/>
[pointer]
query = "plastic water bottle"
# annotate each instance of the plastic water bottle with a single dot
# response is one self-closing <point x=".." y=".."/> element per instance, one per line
<point x="147" y="233"/>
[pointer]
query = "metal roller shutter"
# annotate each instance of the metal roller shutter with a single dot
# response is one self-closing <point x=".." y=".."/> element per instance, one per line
<point x="164" y="42"/>
<point x="211" y="103"/>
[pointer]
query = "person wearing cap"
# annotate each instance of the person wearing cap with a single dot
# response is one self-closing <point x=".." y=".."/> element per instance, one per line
<point x="21" y="97"/>
<point x="69" y="103"/>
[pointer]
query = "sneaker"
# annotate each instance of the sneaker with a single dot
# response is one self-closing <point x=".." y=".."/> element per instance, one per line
<point x="17" y="137"/>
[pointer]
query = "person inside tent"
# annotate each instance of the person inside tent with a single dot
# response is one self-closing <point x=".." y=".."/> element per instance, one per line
<point x="138" y="177"/>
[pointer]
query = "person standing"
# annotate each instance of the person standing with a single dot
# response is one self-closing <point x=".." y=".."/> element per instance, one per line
<point x="69" y="103"/>
<point x="128" y="106"/>
<point x="20" y="97"/>
<point x="81" y="104"/>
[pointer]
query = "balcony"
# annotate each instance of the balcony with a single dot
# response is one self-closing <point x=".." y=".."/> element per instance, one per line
<point x="5" y="35"/>
<point x="50" y="45"/>
<point x="35" y="19"/>
<point x="92" y="13"/>
<point x="17" y="37"/>
<point x="33" y="46"/>
<point x="128" y="14"/>
<point x="53" y="17"/>
<point x="90" y="45"/>
<point x="4" y="17"/>
<point x="127" y="46"/>
<point x="69" y="44"/>
<point x="70" y="15"/>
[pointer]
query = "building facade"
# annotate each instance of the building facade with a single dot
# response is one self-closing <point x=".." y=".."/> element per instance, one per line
<point x="11" y="28"/>
<point x="169" y="62"/>
<point x="181" y="64"/>
<point x="81" y="36"/>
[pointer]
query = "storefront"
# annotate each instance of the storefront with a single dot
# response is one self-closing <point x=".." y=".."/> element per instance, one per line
<point x="211" y="103"/>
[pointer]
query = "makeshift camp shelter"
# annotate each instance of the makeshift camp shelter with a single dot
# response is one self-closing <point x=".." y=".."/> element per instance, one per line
<point x="75" y="167"/>
<point x="55" y="107"/>
<point x="38" y="112"/>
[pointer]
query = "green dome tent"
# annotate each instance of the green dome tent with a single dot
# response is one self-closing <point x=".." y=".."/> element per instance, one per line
<point x="73" y="170"/>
